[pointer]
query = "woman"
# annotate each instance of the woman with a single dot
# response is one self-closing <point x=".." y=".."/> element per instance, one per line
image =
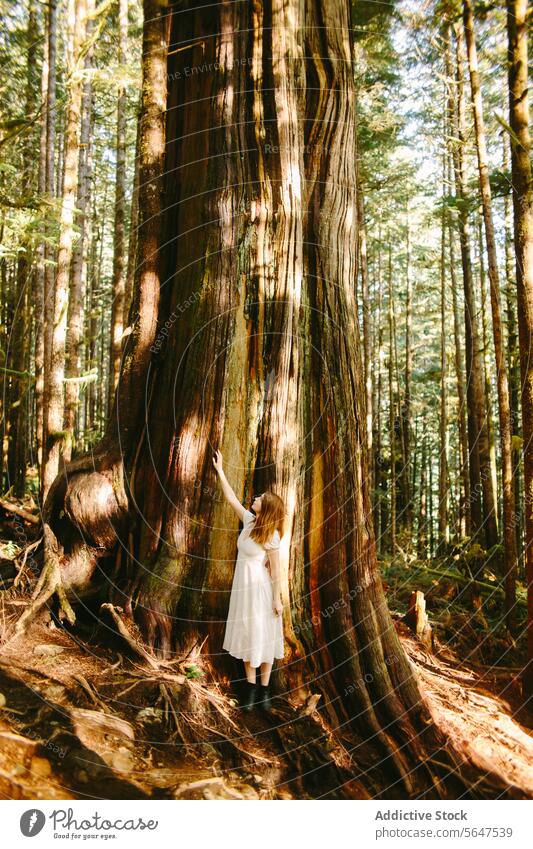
<point x="254" y="628"/>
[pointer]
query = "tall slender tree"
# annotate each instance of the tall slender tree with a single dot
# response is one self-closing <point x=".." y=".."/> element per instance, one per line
<point x="54" y="388"/>
<point x="523" y="238"/>
<point x="119" y="230"/>
<point x="504" y="407"/>
<point x="482" y="509"/>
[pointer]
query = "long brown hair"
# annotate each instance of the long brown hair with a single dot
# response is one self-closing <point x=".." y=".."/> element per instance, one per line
<point x="270" y="518"/>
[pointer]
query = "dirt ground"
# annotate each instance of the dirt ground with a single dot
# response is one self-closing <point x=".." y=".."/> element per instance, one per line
<point x="79" y="720"/>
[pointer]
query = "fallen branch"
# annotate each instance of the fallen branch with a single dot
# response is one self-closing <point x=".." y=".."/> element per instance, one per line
<point x="9" y="507"/>
<point x="462" y="579"/>
<point x="27" y="551"/>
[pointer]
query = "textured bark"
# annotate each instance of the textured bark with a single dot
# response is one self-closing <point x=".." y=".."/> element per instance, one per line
<point x="18" y="348"/>
<point x="464" y="485"/>
<point x="406" y="406"/>
<point x="392" y="409"/>
<point x="54" y="388"/>
<point x="134" y="223"/>
<point x="482" y="510"/>
<point x="51" y="56"/>
<point x="367" y="324"/>
<point x="486" y="356"/>
<point x="444" y="528"/>
<point x="513" y="353"/>
<point x="119" y="270"/>
<point x="523" y="236"/>
<point x="250" y="273"/>
<point x="38" y="297"/>
<point x="504" y="407"/>
<point x="422" y="541"/>
<point x="78" y="278"/>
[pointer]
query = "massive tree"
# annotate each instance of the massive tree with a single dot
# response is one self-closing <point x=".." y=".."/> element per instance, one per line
<point x="244" y="336"/>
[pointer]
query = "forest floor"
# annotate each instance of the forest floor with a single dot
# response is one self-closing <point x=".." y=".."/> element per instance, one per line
<point x="80" y="718"/>
<point x="68" y="729"/>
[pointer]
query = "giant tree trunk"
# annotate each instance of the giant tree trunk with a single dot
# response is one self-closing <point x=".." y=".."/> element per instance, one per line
<point x="523" y="235"/>
<point x="245" y="337"/>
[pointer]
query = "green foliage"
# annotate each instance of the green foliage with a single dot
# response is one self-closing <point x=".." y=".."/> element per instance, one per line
<point x="500" y="183"/>
<point x="366" y="12"/>
<point x="193" y="671"/>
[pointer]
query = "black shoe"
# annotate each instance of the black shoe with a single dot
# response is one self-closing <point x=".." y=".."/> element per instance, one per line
<point x="250" y="697"/>
<point x="264" y="699"/>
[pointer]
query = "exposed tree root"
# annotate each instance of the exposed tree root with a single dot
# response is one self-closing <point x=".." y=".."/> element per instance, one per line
<point x="126" y="633"/>
<point x="49" y="583"/>
<point x="25" y="554"/>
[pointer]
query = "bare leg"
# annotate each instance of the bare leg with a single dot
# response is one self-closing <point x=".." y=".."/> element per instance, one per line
<point x="266" y="669"/>
<point x="250" y="671"/>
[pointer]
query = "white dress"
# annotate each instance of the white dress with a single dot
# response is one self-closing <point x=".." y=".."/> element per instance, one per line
<point x="253" y="631"/>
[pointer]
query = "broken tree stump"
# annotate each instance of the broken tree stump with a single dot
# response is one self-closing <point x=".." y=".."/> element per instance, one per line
<point x="417" y="619"/>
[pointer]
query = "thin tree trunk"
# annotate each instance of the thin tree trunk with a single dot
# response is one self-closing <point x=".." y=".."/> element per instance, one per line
<point x="464" y="499"/>
<point x="78" y="280"/>
<point x="20" y="333"/>
<point x="422" y="508"/>
<point x="523" y="239"/>
<point x="486" y="359"/>
<point x="134" y="224"/>
<point x="392" y="417"/>
<point x="511" y="563"/>
<point x="49" y="289"/>
<point x="118" y="289"/>
<point x="367" y="329"/>
<point x="38" y="299"/>
<point x="406" y="407"/>
<point x="444" y="528"/>
<point x="54" y="390"/>
<point x="479" y="449"/>
<point x="513" y="353"/>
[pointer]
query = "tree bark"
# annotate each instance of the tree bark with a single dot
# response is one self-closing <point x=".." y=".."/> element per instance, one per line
<point x="482" y="510"/>
<point x="406" y="406"/>
<point x="523" y="238"/>
<point x="392" y="409"/>
<point x="78" y="281"/>
<point x="54" y="389"/>
<point x="513" y="353"/>
<point x="134" y="223"/>
<point x="119" y="283"/>
<point x="19" y="338"/>
<point x="48" y="282"/>
<point x="444" y="527"/>
<point x="504" y="407"/>
<point x="367" y="325"/>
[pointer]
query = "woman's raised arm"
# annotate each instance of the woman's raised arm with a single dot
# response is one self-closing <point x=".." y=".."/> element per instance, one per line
<point x="229" y="495"/>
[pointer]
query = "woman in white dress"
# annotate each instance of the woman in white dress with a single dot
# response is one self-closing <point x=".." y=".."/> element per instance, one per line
<point x="254" y="627"/>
